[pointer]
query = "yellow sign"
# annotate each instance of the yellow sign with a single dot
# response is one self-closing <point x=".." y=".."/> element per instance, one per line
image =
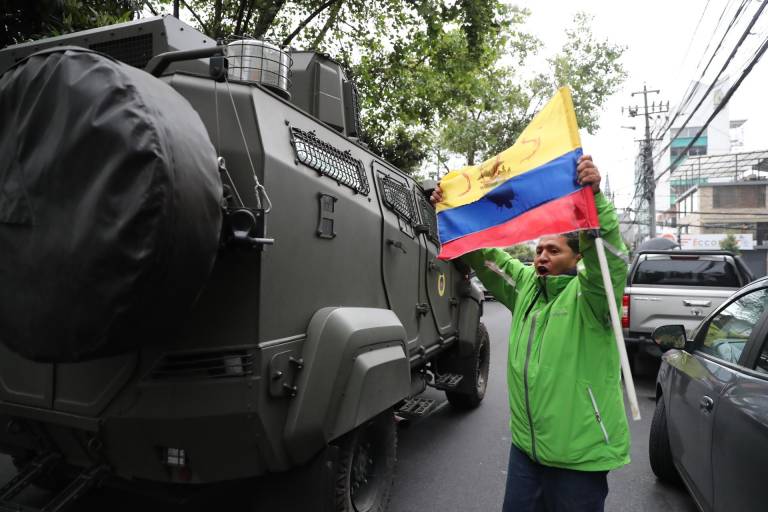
<point x="441" y="284"/>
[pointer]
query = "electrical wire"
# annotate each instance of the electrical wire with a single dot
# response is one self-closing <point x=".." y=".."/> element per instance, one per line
<point x="694" y="86"/>
<point x="758" y="55"/>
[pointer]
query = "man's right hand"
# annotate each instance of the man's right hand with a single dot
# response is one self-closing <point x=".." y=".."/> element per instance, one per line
<point x="437" y="196"/>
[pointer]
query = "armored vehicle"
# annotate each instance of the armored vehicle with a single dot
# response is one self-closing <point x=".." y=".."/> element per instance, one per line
<point x="206" y="277"/>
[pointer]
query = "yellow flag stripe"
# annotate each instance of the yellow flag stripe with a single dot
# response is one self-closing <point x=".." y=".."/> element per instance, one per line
<point x="552" y="133"/>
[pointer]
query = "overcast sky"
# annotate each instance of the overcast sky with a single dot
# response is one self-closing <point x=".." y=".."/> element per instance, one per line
<point x="657" y="35"/>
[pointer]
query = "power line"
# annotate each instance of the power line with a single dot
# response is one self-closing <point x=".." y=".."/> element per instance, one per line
<point x="695" y="30"/>
<point x="727" y="96"/>
<point x="694" y="86"/>
<point x="723" y="103"/>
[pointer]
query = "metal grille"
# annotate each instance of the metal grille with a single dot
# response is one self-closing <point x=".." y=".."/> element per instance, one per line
<point x="327" y="160"/>
<point x="354" y="108"/>
<point x="134" y="51"/>
<point x="211" y="365"/>
<point x="428" y="217"/>
<point x="397" y="197"/>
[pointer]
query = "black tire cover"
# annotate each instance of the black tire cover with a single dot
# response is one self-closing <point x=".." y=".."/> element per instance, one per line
<point x="110" y="206"/>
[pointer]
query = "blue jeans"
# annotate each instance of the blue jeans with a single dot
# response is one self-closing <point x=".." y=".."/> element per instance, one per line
<point x="533" y="487"/>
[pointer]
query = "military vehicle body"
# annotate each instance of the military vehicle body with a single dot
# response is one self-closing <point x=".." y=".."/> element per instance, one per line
<point x="300" y="303"/>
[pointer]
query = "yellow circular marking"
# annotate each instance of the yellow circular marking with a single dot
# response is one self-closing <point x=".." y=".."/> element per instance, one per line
<point x="441" y="284"/>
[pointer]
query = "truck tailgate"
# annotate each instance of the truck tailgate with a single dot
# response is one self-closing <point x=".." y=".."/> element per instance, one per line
<point x="652" y="306"/>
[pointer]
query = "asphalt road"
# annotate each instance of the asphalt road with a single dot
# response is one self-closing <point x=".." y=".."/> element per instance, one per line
<point x="456" y="462"/>
<point x="449" y="461"/>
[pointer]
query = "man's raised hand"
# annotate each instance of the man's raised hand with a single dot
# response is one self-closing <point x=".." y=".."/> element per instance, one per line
<point x="587" y="173"/>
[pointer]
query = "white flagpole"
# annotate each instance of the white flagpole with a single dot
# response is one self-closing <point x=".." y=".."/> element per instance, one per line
<point x="629" y="384"/>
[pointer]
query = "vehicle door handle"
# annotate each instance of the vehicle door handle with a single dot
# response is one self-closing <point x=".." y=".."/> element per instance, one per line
<point x="397" y="244"/>
<point x="706" y="404"/>
<point x="700" y="303"/>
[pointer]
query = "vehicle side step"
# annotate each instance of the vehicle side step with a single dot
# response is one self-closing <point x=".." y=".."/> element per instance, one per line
<point x="26" y="476"/>
<point x="415" y="407"/>
<point x="447" y="381"/>
<point x="63" y="500"/>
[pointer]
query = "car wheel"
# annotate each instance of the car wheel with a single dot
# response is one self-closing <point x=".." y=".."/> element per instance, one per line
<point x="658" y="446"/>
<point x="474" y="369"/>
<point x="366" y="468"/>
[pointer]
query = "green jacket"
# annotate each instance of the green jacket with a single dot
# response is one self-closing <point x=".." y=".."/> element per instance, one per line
<point x="563" y="372"/>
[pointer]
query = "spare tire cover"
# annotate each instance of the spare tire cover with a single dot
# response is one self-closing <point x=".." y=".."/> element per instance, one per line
<point x="110" y="206"/>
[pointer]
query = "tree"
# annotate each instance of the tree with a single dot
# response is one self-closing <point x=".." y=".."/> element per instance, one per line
<point x="22" y="20"/>
<point x="436" y="77"/>
<point x="429" y="71"/>
<point x="730" y="243"/>
<point x="522" y="252"/>
<point x="505" y="104"/>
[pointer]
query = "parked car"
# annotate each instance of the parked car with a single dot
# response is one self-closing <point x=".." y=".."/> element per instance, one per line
<point x="674" y="286"/>
<point x="710" y="427"/>
<point x="487" y="295"/>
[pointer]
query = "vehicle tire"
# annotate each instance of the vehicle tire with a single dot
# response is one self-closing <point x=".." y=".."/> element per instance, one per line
<point x="659" y="452"/>
<point x="366" y="466"/>
<point x="475" y="370"/>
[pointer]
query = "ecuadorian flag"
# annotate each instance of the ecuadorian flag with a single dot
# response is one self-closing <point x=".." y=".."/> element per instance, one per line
<point x="525" y="192"/>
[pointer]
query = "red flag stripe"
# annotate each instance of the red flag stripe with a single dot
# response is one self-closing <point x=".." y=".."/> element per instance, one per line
<point x="568" y="213"/>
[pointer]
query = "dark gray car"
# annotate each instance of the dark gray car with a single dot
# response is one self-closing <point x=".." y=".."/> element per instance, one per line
<point x="710" y="428"/>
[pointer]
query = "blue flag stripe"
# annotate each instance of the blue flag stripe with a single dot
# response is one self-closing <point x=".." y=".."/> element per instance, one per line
<point x="517" y="195"/>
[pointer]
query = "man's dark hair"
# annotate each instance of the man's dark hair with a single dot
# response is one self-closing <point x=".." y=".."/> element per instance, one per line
<point x="572" y="239"/>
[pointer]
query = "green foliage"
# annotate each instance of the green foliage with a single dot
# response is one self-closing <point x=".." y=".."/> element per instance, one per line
<point x="437" y="78"/>
<point x="522" y="252"/>
<point x="24" y="21"/>
<point x="730" y="243"/>
<point x="505" y="102"/>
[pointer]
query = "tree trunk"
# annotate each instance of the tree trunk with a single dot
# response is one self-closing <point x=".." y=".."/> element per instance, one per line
<point x="267" y="10"/>
<point x="328" y="24"/>
<point x="306" y="22"/>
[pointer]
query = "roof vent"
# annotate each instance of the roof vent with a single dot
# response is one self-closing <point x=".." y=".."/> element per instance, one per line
<point x="252" y="60"/>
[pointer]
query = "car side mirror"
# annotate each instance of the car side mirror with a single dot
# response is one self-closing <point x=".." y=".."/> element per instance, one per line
<point x="670" y="336"/>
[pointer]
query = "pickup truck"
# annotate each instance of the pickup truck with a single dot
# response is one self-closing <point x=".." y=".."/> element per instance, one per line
<point x="676" y="287"/>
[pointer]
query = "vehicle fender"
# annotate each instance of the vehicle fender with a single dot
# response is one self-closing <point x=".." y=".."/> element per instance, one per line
<point x="355" y="365"/>
<point x="470" y="311"/>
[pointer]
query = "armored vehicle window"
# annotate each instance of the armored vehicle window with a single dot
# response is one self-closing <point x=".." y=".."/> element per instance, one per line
<point x="328" y="160"/>
<point x="134" y="50"/>
<point x="397" y="197"/>
<point x="428" y="217"/>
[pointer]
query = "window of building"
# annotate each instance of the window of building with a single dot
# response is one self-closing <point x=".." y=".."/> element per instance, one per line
<point x="738" y="196"/>
<point x="689" y="131"/>
<point x="762" y="232"/>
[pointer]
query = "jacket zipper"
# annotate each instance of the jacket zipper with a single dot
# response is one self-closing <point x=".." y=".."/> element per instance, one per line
<point x="597" y="414"/>
<point x="525" y="315"/>
<point x="525" y="382"/>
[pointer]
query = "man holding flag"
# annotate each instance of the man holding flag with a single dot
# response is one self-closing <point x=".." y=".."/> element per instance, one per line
<point x="567" y="414"/>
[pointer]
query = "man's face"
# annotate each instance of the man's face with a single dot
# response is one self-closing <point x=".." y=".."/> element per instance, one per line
<point x="553" y="256"/>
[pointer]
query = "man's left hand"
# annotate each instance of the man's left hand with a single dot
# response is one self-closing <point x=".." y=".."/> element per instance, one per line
<point x="587" y="173"/>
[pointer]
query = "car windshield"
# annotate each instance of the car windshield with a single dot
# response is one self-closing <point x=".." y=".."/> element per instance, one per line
<point x="686" y="272"/>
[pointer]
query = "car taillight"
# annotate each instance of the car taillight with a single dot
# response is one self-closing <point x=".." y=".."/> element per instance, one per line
<point x="625" y="311"/>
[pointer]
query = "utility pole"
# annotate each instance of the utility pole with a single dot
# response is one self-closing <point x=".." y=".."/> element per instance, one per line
<point x="649" y="182"/>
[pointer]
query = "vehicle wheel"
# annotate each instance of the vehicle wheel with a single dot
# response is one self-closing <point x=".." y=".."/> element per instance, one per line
<point x="366" y="467"/>
<point x="658" y="446"/>
<point x="475" y="370"/>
